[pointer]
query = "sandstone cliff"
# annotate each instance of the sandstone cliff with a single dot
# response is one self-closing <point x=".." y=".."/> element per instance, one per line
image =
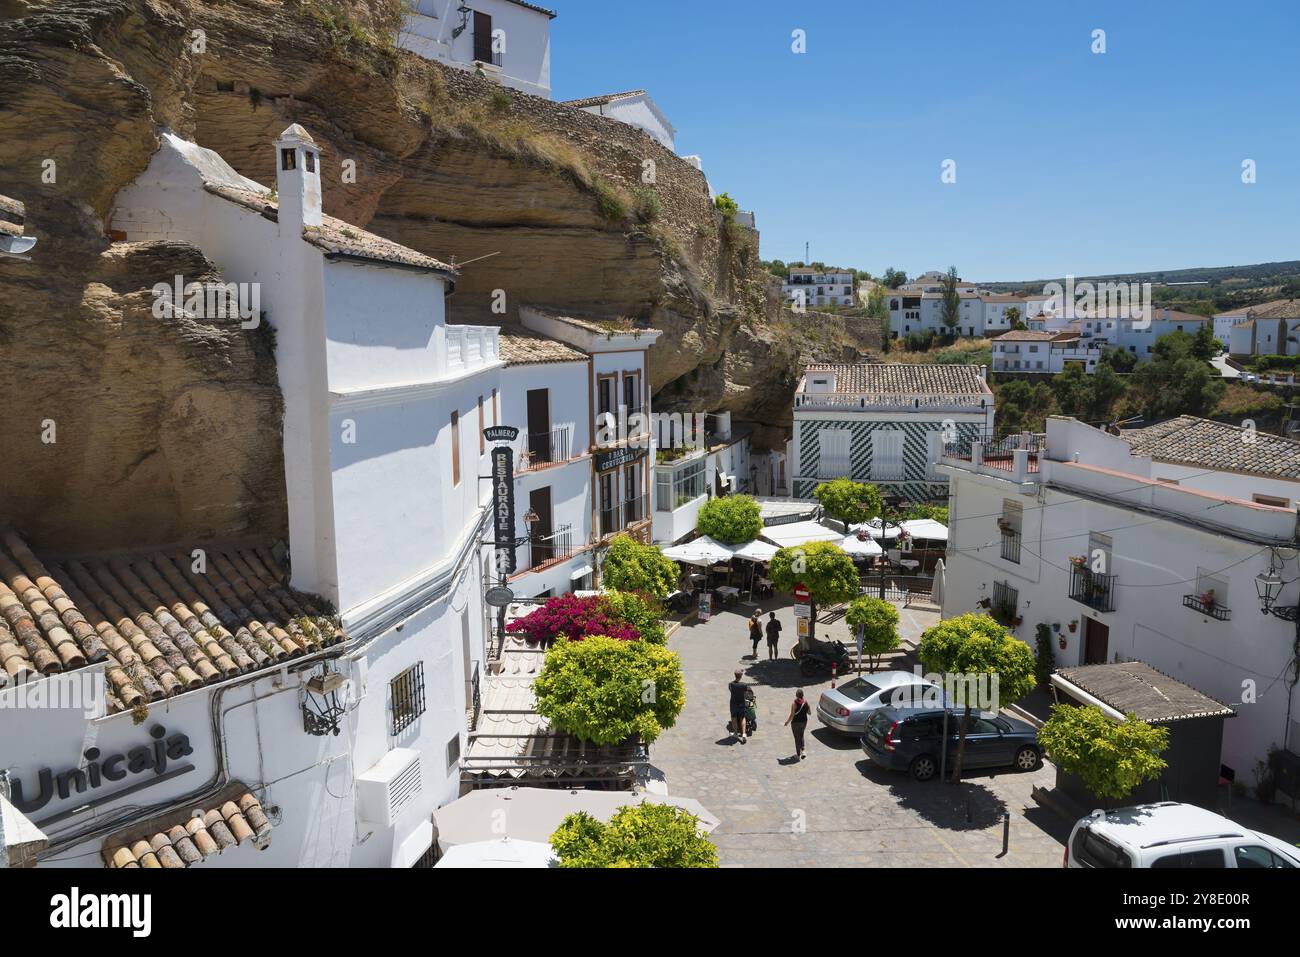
<point x="170" y="430"/>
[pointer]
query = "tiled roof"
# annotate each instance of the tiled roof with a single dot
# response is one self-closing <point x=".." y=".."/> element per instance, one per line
<point x="601" y="325"/>
<point x="161" y="627"/>
<point x="182" y="839"/>
<point x="551" y="14"/>
<point x="334" y="236"/>
<point x="906" y="379"/>
<point x="1188" y="440"/>
<point x="1277" y="309"/>
<point x="523" y="348"/>
<point x="1134" y="687"/>
<point x="1032" y="335"/>
<point x="603" y="99"/>
<point x="12" y="216"/>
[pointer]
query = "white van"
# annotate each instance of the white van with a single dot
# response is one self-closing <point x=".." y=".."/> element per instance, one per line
<point x="1170" y="834"/>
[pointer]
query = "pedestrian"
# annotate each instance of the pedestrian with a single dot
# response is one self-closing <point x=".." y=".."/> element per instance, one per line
<point x="736" y="690"/>
<point x="755" y="632"/>
<point x="773" y="636"/>
<point x="798" y="722"/>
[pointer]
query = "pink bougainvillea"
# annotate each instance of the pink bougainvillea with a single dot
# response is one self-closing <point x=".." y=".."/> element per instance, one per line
<point x="574" y="618"/>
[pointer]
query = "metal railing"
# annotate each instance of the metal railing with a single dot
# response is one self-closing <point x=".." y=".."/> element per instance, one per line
<point x="538" y="449"/>
<point x="1092" y="589"/>
<point x="614" y="518"/>
<point x="557" y="546"/>
<point x="475" y="697"/>
<point x="1010" y="545"/>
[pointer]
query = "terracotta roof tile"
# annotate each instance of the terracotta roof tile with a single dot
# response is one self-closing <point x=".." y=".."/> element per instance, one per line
<point x="334" y="236"/>
<point x="602" y="99"/>
<point x="184" y="838"/>
<point x="603" y="325"/>
<point x="873" y="377"/>
<point x="1188" y="440"/>
<point x="522" y="348"/>
<point x="161" y="627"/>
<point x="1277" y="309"/>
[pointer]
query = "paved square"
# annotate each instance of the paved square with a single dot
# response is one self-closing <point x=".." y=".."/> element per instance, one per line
<point x="833" y="809"/>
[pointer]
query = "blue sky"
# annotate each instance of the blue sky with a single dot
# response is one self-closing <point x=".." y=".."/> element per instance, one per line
<point x="1067" y="161"/>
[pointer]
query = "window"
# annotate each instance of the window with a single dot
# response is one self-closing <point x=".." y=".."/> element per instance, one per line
<point x="1255" y="856"/>
<point x="1093" y="850"/>
<point x="288" y="159"/>
<point x="605" y="389"/>
<point x="481" y="442"/>
<point x="688" y="483"/>
<point x="632" y="392"/>
<point x="496" y="409"/>
<point x="407" y="694"/>
<point x="455" y="448"/>
<point x="833" y="453"/>
<point x="453" y="752"/>
<point x="887" y="454"/>
<point x="632" y="493"/>
<point x="309" y="159"/>
<point x="1210" y="857"/>
<point x="1005" y="598"/>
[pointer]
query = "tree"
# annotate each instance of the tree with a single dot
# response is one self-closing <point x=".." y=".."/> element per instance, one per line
<point x="1120" y="360"/>
<point x="920" y="510"/>
<point x="637" y="835"/>
<point x="1013" y="318"/>
<point x="849" y="501"/>
<point x="633" y="566"/>
<point x="1022" y="407"/>
<point x="1177" y="381"/>
<point x="1072" y="390"/>
<point x="1204" y="346"/>
<point x="822" y="567"/>
<point x="640" y="610"/>
<point x="976" y="649"/>
<point x="726" y="205"/>
<point x="951" y="314"/>
<point x="1110" y="757"/>
<point x="732" y="519"/>
<point x="894" y="278"/>
<point x="879" y="623"/>
<point x="1107" y="389"/>
<point x="605" y="691"/>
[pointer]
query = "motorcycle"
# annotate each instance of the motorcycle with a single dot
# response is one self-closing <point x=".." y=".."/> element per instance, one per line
<point x="820" y="656"/>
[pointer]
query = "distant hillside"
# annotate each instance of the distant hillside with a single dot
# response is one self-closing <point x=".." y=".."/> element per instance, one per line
<point x="1260" y="273"/>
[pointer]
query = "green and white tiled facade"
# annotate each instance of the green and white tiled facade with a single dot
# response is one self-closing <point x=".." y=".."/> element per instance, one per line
<point x="917" y="483"/>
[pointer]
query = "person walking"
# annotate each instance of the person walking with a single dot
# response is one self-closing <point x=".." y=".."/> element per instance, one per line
<point x="773" y="637"/>
<point x="798" y="722"/>
<point x="755" y="633"/>
<point x="738" y="705"/>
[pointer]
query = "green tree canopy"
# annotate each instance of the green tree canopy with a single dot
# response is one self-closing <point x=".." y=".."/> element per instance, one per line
<point x="879" y="622"/>
<point x="1121" y="360"/>
<point x="1022" y="407"/>
<point x="641" y="610"/>
<point x="1013" y="318"/>
<point x="637" y="835"/>
<point x="633" y="566"/>
<point x="849" y="501"/>
<point x="1178" y="380"/>
<point x="726" y="205"/>
<point x="950" y="315"/>
<point x="973" y="647"/>
<point x="894" y="278"/>
<point x="732" y="519"/>
<point x="1110" y="757"/>
<point x="823" y="567"/>
<point x="604" y="690"/>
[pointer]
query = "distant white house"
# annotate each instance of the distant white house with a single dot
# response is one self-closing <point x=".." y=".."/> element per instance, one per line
<point x="813" y="288"/>
<point x="1269" y="329"/>
<point x="508" y="40"/>
<point x="635" y="108"/>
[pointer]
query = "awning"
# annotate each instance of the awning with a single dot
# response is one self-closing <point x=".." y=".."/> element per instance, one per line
<point x="582" y="572"/>
<point x="860" y="547"/>
<point x="701" y="551"/>
<point x="926" y="528"/>
<point x="799" y="533"/>
<point x="504" y="852"/>
<point x="533" y="814"/>
<point x="872" y="528"/>
<point x="756" y="551"/>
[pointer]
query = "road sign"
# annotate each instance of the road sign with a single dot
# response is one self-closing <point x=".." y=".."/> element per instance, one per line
<point x="801" y="593"/>
<point x="803" y="611"/>
<point x="801" y="627"/>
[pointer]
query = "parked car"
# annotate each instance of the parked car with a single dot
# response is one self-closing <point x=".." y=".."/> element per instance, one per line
<point x="910" y="739"/>
<point x="1170" y="834"/>
<point x="847" y="708"/>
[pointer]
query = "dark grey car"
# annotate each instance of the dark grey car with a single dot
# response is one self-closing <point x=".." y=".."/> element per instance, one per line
<point x="909" y="739"/>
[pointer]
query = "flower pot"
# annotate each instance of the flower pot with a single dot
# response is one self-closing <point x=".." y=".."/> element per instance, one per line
<point x="1073" y="625"/>
<point x="1062" y="642"/>
<point x="984" y="602"/>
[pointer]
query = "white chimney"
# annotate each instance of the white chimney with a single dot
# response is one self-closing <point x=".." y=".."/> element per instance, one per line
<point x="297" y="181"/>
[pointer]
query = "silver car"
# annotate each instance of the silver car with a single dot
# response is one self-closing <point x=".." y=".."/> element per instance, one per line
<point x="847" y="708"/>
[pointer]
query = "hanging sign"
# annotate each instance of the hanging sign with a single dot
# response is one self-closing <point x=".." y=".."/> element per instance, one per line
<point x="803" y="611"/>
<point x="616" y="457"/>
<point x="503" y="506"/>
<point x="501" y="433"/>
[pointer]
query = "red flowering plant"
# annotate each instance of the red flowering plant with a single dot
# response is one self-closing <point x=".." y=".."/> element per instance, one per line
<point x="568" y="616"/>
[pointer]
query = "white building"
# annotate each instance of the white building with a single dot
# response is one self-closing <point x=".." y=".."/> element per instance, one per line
<point x="694" y="463"/>
<point x="507" y="40"/>
<point x="885" y="424"/>
<point x="1051" y="343"/>
<point x="345" y="745"/>
<point x="1038" y="350"/>
<point x="618" y="417"/>
<point x="1269" y="329"/>
<point x="1142" y="546"/>
<point x="635" y="108"/>
<point x="813" y="289"/>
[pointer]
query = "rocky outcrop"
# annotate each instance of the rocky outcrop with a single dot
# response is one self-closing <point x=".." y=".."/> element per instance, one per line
<point x="177" y="423"/>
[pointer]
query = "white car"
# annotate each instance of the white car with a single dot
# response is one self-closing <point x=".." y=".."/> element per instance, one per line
<point x="1170" y="834"/>
<point x="847" y="708"/>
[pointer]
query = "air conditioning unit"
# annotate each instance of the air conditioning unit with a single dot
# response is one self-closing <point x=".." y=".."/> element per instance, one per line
<point x="391" y="786"/>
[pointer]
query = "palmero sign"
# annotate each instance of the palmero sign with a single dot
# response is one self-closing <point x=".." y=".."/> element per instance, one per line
<point x="501" y="433"/>
<point x="101" y="770"/>
<point x="616" y="457"/>
<point x="503" y="506"/>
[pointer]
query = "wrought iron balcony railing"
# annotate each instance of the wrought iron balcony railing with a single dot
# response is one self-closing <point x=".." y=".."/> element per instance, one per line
<point x="1092" y="588"/>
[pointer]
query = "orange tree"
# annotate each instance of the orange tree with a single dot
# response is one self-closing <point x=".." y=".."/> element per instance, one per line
<point x="822" y="567"/>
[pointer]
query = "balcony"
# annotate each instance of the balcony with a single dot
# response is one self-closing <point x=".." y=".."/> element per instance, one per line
<point x="545" y="550"/>
<point x="540" y="449"/>
<point x="1090" y="588"/>
<point x="1010" y="545"/>
<point x="1206" y="605"/>
<point x="467" y="348"/>
<point x="615" y="518"/>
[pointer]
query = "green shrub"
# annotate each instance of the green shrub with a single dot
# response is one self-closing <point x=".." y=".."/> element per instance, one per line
<point x="849" y="501"/>
<point x="641" y="835"/>
<point x="642" y="611"/>
<point x="632" y="566"/>
<point x="733" y="519"/>
<point x="727" y="206"/>
<point x="648" y="206"/>
<point x="879" y="622"/>
<point x="1111" y="758"/>
<point x="609" y="200"/>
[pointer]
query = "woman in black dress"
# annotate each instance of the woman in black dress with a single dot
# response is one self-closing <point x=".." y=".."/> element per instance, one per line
<point x="798" y="722"/>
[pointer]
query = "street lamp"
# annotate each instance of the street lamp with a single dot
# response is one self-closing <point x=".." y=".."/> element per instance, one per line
<point x="1269" y="585"/>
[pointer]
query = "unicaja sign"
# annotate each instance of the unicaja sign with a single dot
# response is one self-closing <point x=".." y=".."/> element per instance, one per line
<point x="1099" y="300"/>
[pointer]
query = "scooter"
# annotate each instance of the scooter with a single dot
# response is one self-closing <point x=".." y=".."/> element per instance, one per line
<point x="819" y="656"/>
